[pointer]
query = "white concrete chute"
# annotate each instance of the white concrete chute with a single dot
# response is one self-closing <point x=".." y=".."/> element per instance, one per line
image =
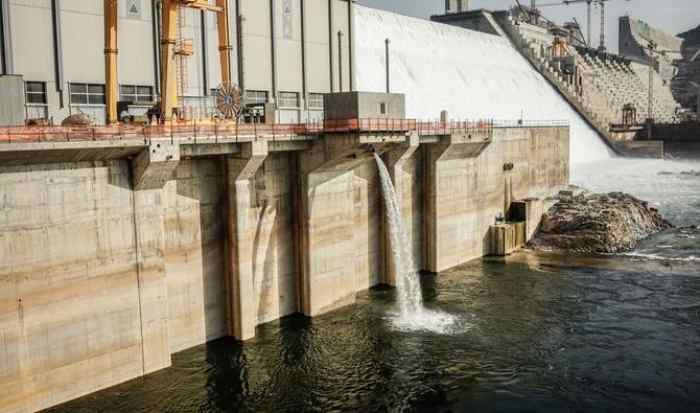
<point x="470" y="74"/>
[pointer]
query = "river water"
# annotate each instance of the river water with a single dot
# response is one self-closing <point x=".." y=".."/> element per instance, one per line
<point x="530" y="333"/>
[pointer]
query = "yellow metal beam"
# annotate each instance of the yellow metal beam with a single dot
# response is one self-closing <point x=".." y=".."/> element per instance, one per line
<point x="111" y="64"/>
<point x="202" y="5"/>
<point x="224" y="41"/>
<point x="168" y="87"/>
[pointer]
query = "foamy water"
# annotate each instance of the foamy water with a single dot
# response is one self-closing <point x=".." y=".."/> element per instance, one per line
<point x="412" y="316"/>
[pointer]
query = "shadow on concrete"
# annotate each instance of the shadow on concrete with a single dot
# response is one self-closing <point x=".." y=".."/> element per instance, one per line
<point x="207" y="186"/>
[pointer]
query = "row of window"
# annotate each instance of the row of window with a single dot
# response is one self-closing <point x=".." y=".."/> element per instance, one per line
<point x="94" y="94"/>
<point x="88" y="93"/>
<point x="285" y="99"/>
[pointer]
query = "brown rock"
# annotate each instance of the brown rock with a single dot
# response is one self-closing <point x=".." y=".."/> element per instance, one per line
<point x="597" y="223"/>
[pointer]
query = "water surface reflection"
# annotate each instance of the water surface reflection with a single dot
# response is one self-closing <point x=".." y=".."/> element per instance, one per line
<point x="537" y="335"/>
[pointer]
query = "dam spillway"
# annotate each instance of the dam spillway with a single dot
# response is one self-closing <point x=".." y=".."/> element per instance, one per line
<point x="470" y="74"/>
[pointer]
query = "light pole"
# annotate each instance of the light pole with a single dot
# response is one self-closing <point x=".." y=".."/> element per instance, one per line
<point x="650" y="108"/>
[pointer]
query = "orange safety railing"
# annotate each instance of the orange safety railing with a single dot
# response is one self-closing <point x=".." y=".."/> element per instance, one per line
<point x="194" y="130"/>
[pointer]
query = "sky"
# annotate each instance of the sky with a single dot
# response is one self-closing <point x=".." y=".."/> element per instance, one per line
<point x="673" y="16"/>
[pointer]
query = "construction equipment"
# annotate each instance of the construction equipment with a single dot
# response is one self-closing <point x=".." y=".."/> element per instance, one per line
<point x="589" y="4"/>
<point x="174" y="51"/>
<point x="111" y="87"/>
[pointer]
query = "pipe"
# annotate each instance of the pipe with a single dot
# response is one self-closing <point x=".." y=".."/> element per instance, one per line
<point x="273" y="44"/>
<point x="330" y="43"/>
<point x="240" y="53"/>
<point x="304" y="71"/>
<point x="340" y="61"/>
<point x="588" y="24"/>
<point x="155" y="27"/>
<point x="5" y="38"/>
<point x="57" y="50"/>
<point x="111" y="52"/>
<point x="205" y="53"/>
<point x="602" y="26"/>
<point x="387" y="42"/>
<point x="351" y="42"/>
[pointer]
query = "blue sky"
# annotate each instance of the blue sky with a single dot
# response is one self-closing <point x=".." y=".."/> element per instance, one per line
<point x="673" y="16"/>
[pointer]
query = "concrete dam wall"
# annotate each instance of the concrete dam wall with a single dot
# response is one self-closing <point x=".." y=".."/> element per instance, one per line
<point x="472" y="75"/>
<point x="117" y="254"/>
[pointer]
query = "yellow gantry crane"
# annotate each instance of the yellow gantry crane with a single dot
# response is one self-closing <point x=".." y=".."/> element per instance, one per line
<point x="169" y="51"/>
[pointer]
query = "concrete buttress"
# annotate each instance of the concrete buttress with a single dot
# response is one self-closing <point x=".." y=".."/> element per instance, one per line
<point x="151" y="169"/>
<point x="243" y="222"/>
<point x="450" y="180"/>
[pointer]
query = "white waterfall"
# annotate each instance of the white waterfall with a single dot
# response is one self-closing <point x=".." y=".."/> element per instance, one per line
<point x="407" y="283"/>
<point x="470" y="74"/>
<point x="412" y="315"/>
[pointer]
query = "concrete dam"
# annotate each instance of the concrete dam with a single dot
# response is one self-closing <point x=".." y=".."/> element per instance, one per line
<point x="118" y="252"/>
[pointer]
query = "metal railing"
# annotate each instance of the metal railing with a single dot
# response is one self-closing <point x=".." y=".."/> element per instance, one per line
<point x="446" y="128"/>
<point x="252" y="131"/>
<point x="509" y="123"/>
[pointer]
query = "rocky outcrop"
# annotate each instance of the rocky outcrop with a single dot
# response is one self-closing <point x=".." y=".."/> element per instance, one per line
<point x="597" y="223"/>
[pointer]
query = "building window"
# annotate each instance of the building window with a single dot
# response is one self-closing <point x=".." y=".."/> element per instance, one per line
<point x="133" y="93"/>
<point x="256" y="97"/>
<point x="382" y="108"/>
<point x="289" y="99"/>
<point x="35" y="93"/>
<point x="316" y="101"/>
<point x="87" y="94"/>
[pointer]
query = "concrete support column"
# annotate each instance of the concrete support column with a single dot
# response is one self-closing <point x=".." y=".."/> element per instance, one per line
<point x="328" y="277"/>
<point x="150" y="172"/>
<point x="326" y="224"/>
<point x="153" y="291"/>
<point x="243" y="222"/>
<point x="452" y="201"/>
<point x="397" y="163"/>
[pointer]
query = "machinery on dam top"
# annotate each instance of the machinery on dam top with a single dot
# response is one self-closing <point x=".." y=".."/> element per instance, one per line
<point x="175" y="49"/>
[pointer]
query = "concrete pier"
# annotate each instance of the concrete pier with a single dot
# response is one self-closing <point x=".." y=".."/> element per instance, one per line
<point x="115" y="256"/>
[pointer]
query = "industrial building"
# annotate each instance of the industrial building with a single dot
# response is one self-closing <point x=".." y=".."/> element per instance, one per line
<point x="285" y="54"/>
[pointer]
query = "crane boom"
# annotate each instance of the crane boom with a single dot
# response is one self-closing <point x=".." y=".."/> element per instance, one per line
<point x="589" y="4"/>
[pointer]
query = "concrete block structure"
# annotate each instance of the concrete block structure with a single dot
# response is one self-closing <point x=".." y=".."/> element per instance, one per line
<point x="118" y="253"/>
